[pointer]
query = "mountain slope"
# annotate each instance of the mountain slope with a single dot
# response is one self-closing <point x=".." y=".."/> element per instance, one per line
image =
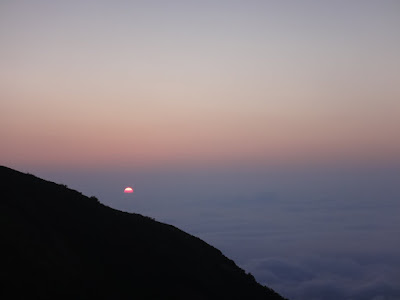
<point x="60" y="244"/>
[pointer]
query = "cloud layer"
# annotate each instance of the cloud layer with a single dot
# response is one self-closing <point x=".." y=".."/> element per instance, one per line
<point x="308" y="234"/>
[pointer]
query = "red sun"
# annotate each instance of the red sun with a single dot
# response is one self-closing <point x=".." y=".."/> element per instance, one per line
<point x="128" y="190"/>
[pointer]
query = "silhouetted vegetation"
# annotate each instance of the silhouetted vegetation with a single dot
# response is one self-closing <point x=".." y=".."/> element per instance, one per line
<point x="95" y="199"/>
<point x="58" y="244"/>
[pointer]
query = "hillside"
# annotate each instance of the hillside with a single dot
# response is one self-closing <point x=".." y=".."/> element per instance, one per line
<point x="59" y="244"/>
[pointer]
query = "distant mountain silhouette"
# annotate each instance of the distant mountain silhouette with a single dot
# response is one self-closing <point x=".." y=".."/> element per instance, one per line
<point x="59" y="244"/>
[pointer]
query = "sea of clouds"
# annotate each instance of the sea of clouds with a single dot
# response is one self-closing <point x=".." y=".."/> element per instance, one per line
<point x="308" y="234"/>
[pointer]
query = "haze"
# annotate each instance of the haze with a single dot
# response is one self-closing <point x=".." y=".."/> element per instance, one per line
<point x="270" y="129"/>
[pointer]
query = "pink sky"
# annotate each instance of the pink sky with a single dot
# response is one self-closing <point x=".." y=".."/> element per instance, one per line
<point x="117" y="84"/>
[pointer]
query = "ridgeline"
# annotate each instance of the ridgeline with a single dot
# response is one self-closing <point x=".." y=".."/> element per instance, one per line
<point x="59" y="244"/>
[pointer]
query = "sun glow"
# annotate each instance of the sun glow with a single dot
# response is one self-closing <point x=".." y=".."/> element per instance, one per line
<point x="128" y="190"/>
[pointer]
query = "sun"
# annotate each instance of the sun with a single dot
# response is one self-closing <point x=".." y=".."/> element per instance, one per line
<point x="128" y="190"/>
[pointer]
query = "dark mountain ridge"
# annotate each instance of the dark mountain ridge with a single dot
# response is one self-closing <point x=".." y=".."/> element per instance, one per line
<point x="59" y="244"/>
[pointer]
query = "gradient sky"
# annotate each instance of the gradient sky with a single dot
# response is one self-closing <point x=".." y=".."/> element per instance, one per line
<point x="270" y="129"/>
<point x="150" y="83"/>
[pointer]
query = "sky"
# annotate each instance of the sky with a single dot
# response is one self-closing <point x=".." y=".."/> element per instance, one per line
<point x="228" y="118"/>
<point x="150" y="83"/>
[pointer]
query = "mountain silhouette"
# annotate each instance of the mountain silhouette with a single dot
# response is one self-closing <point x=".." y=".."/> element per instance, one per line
<point x="59" y="244"/>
